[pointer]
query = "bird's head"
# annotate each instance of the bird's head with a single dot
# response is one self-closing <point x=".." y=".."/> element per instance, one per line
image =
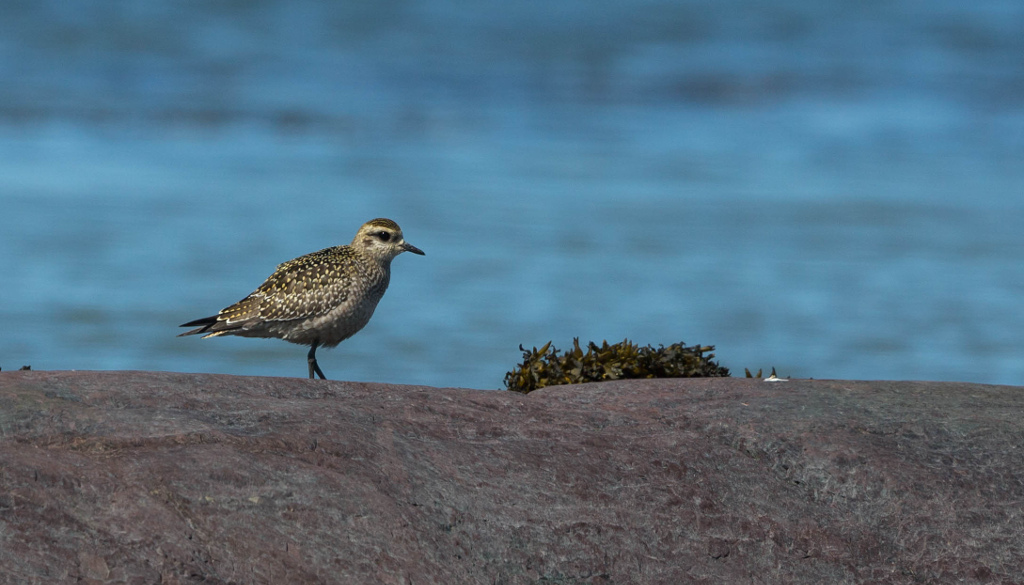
<point x="382" y="239"/>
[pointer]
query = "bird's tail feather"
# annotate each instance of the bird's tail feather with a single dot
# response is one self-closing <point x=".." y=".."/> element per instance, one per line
<point x="209" y="325"/>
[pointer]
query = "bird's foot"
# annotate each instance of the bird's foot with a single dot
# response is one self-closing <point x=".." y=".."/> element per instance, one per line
<point x="315" y="368"/>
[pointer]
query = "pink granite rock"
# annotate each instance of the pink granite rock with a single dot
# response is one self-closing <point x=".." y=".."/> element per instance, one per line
<point x="140" y="477"/>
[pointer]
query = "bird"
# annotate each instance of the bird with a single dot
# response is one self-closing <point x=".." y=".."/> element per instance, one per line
<point x="319" y="299"/>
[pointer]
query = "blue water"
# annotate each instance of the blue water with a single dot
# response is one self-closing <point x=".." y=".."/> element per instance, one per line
<point x="833" y="189"/>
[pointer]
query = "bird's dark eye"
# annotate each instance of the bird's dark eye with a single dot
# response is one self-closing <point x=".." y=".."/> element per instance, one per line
<point x="384" y="236"/>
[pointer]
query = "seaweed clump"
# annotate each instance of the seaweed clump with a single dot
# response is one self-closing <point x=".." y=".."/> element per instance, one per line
<point x="545" y="367"/>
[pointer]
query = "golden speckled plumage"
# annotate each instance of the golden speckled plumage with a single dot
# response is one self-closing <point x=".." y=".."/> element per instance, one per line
<point x="319" y="299"/>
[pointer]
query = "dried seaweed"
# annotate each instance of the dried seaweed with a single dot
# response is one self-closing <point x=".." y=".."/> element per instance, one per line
<point x="545" y="367"/>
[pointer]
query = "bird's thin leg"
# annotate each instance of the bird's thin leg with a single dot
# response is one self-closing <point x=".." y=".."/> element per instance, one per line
<point x="313" y="366"/>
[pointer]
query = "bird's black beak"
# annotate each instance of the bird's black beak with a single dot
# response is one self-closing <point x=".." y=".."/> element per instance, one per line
<point x="410" y="248"/>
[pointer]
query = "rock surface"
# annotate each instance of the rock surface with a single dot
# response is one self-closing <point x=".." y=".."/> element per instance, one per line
<point x="143" y="477"/>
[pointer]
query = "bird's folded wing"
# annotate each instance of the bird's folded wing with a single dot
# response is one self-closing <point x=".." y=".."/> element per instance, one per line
<point x="295" y="291"/>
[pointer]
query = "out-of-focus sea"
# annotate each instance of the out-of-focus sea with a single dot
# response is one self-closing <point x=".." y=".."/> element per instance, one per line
<point x="835" y="189"/>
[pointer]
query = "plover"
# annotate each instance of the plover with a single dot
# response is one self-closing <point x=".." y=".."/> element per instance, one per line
<point x="319" y="299"/>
